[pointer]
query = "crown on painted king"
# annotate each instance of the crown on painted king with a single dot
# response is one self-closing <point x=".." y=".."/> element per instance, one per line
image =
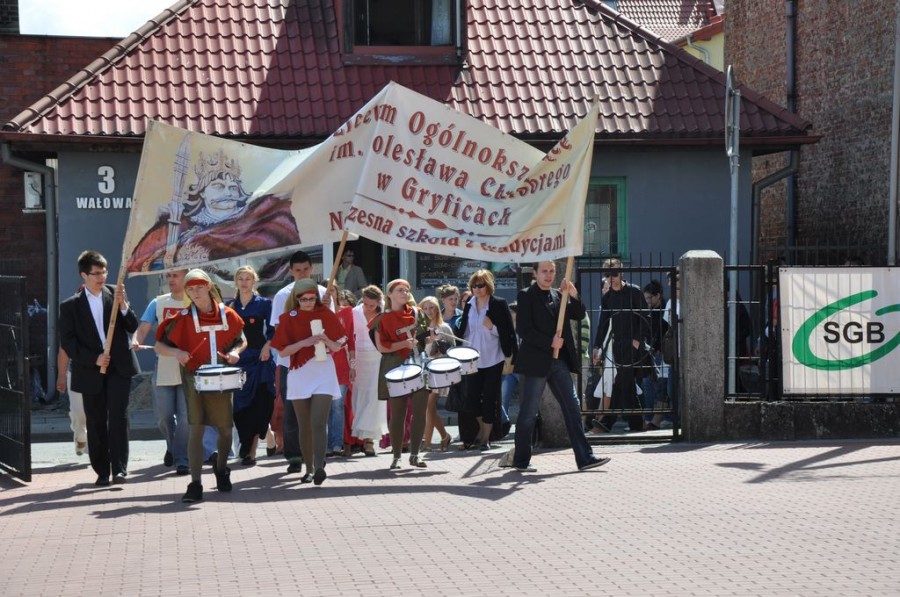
<point x="215" y="165"/>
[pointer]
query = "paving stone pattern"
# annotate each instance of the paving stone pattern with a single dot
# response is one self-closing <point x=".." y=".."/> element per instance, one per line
<point x="732" y="519"/>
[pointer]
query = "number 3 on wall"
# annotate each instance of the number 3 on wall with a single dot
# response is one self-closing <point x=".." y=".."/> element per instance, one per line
<point x="107" y="183"/>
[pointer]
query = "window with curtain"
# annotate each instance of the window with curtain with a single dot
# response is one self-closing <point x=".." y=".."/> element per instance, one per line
<point x="402" y="22"/>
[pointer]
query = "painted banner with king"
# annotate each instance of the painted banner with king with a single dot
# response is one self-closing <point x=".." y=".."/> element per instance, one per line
<point x="405" y="170"/>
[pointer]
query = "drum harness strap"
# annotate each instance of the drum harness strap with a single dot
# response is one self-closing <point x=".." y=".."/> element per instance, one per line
<point x="211" y="329"/>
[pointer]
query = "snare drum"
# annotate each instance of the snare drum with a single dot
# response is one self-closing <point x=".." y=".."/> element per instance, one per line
<point x="443" y="372"/>
<point x="467" y="357"/>
<point x="216" y="378"/>
<point x="404" y="380"/>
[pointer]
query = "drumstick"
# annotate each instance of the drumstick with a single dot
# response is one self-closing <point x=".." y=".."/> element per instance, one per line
<point x="196" y="348"/>
<point x="458" y="338"/>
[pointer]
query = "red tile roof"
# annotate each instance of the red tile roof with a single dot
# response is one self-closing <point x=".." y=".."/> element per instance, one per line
<point x="243" y="69"/>
<point x="670" y="19"/>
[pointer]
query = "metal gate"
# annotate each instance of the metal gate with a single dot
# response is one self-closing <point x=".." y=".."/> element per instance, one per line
<point x="15" y="379"/>
<point x="753" y="360"/>
<point x="663" y="377"/>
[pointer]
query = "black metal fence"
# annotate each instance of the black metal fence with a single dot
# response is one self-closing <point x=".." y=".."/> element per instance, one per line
<point x="625" y="382"/>
<point x="15" y="380"/>
<point x="837" y="251"/>
<point x="753" y="362"/>
<point x="748" y="358"/>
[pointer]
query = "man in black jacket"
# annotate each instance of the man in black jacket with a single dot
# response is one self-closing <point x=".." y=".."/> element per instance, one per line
<point x="624" y="309"/>
<point x="538" y="311"/>
<point x="83" y="324"/>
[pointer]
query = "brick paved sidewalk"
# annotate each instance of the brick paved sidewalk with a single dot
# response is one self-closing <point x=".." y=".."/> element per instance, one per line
<point x="737" y="519"/>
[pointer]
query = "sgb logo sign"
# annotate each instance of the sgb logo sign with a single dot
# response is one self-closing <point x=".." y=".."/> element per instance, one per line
<point x="827" y="324"/>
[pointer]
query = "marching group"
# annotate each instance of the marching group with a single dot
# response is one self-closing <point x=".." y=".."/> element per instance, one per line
<point x="283" y="369"/>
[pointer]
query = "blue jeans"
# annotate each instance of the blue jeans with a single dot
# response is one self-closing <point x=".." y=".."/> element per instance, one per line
<point x="509" y="385"/>
<point x="171" y="416"/>
<point x="210" y="441"/>
<point x="654" y="389"/>
<point x="562" y="388"/>
<point x="336" y="422"/>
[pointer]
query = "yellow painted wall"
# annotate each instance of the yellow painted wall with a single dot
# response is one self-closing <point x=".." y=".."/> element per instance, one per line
<point x="716" y="49"/>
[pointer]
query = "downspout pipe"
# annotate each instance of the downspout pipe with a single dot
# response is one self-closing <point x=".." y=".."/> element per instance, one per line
<point x="707" y="57"/>
<point x="48" y="175"/>
<point x="758" y="188"/>
<point x="459" y="31"/>
<point x="895" y="141"/>
<point x="791" y="84"/>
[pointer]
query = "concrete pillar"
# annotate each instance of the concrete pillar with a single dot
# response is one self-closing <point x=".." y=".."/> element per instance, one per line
<point x="702" y="342"/>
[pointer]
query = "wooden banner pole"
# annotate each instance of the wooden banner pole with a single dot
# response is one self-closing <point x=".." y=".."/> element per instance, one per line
<point x="107" y="346"/>
<point x="570" y="262"/>
<point x="337" y="264"/>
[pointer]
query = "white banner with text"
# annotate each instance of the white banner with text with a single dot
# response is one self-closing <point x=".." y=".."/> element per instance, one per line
<point x="405" y="170"/>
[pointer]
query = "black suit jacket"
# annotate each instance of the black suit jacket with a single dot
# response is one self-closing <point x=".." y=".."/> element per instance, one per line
<point x="536" y="324"/>
<point x="78" y="337"/>
<point x="498" y="312"/>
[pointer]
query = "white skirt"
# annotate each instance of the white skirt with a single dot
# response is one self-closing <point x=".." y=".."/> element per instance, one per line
<point x="369" y="413"/>
<point x="314" y="377"/>
<point x="605" y="387"/>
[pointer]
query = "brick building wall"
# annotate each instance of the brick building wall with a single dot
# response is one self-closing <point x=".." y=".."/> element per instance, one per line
<point x="30" y="67"/>
<point x="844" y="69"/>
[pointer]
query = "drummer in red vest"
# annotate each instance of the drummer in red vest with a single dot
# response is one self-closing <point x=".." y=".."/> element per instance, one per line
<point x="204" y="334"/>
<point x="307" y="331"/>
<point x="395" y="337"/>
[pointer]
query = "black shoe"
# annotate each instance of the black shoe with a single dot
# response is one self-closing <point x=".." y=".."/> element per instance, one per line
<point x="271" y="451"/>
<point x="119" y="479"/>
<point x="182" y="470"/>
<point x="593" y="463"/>
<point x="294" y="467"/>
<point x="599" y="426"/>
<point x="194" y="493"/>
<point x="213" y="458"/>
<point x="248" y="461"/>
<point x="307" y="478"/>
<point x="319" y="477"/>
<point x="223" y="478"/>
<point x="102" y="481"/>
<point x="167" y="459"/>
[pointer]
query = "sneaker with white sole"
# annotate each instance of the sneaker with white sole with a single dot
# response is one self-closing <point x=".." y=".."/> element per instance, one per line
<point x="593" y="463"/>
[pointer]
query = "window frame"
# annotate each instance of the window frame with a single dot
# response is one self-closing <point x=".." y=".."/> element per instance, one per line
<point x="620" y="248"/>
<point x="353" y="54"/>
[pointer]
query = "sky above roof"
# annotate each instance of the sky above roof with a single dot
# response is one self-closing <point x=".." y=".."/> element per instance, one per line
<point x="87" y="18"/>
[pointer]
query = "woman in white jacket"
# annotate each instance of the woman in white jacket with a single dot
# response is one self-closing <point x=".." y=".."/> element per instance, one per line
<point x="369" y="415"/>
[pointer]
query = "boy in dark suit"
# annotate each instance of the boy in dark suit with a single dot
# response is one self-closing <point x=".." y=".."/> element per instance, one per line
<point x="83" y="323"/>
<point x="538" y="310"/>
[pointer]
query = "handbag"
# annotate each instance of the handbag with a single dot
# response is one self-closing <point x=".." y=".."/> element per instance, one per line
<point x="455" y="401"/>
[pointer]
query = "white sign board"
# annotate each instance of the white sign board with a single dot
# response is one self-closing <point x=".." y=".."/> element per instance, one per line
<point x="840" y="328"/>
